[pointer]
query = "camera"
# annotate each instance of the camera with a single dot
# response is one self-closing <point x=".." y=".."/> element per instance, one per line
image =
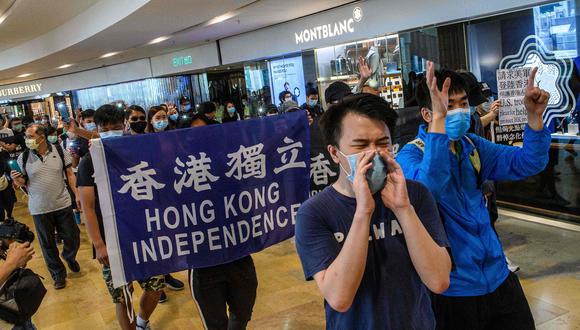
<point x="13" y="231"/>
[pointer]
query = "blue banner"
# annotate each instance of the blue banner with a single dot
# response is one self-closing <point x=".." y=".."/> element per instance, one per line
<point x="200" y="197"/>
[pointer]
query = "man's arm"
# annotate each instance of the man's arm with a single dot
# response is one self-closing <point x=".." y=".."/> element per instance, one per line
<point x="431" y="261"/>
<point x="365" y="72"/>
<point x="72" y="181"/>
<point x="341" y="280"/>
<point x="431" y="167"/>
<point x="75" y="129"/>
<point x="87" y="197"/>
<point x="501" y="162"/>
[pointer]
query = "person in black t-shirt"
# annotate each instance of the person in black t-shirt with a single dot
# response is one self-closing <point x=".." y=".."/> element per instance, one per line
<point x="111" y="120"/>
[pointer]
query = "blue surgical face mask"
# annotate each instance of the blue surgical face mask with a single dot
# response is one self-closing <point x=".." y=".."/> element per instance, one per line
<point x="160" y="125"/>
<point x="90" y="126"/>
<point x="312" y="103"/>
<point x="187" y="107"/>
<point x="110" y="134"/>
<point x="376" y="176"/>
<point x="174" y="117"/>
<point x="231" y="111"/>
<point x="457" y="123"/>
<point x="52" y="139"/>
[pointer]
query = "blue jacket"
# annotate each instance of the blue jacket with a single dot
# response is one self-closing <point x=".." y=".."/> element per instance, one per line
<point x="479" y="262"/>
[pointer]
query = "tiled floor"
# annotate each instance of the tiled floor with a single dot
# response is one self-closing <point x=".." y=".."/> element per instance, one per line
<point x="548" y="257"/>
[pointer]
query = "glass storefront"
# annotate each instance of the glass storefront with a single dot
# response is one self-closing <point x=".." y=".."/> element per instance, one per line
<point x="544" y="36"/>
<point x="340" y="63"/>
<point x="146" y="93"/>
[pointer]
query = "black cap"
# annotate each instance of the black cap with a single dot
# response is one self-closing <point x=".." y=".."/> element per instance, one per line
<point x="473" y="89"/>
<point x="336" y="92"/>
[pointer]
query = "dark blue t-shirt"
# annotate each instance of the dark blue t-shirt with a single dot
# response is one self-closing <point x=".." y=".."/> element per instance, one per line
<point x="391" y="294"/>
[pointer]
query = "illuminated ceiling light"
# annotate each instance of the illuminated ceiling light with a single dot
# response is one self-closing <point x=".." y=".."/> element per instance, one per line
<point x="64" y="66"/>
<point x="221" y="18"/>
<point x="109" y="54"/>
<point x="158" y="40"/>
<point x="24" y="75"/>
<point x="5" y="14"/>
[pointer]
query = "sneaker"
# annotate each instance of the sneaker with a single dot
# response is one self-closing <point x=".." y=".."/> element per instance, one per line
<point x="173" y="283"/>
<point x="147" y="326"/>
<point x="60" y="284"/>
<point x="511" y="266"/>
<point x="163" y="297"/>
<point x="74" y="266"/>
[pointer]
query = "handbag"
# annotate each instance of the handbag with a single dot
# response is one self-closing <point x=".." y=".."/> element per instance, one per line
<point x="21" y="296"/>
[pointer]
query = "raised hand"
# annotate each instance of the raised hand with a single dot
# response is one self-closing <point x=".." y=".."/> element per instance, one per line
<point x="439" y="98"/>
<point x="536" y="99"/>
<point x="364" y="69"/>
<point x="394" y="194"/>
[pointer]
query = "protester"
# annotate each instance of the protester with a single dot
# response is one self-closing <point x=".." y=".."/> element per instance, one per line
<point x="157" y="120"/>
<point x="135" y="120"/>
<point x="158" y="123"/>
<point x="284" y="96"/>
<point x="380" y="281"/>
<point x="43" y="168"/>
<point x="291" y="106"/>
<point x="336" y="92"/>
<point x="483" y="292"/>
<point x="231" y="113"/>
<point x="173" y="115"/>
<point x="271" y="110"/>
<point x="205" y="113"/>
<point x="110" y="124"/>
<point x="231" y="285"/>
<point x="311" y="104"/>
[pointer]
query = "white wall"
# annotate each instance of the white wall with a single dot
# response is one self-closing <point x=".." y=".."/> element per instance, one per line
<point x="380" y="17"/>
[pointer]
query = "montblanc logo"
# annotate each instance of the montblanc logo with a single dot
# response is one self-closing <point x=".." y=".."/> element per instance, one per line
<point x="330" y="30"/>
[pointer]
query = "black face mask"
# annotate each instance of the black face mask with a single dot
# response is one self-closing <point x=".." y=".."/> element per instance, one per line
<point x="138" y="127"/>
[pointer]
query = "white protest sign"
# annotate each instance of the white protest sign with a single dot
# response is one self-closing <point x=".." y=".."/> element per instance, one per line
<point x="511" y="88"/>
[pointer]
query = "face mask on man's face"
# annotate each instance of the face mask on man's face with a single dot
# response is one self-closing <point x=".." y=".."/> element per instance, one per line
<point x="31" y="143"/>
<point x="18" y="127"/>
<point x="288" y="98"/>
<point x="52" y="139"/>
<point x="457" y="123"/>
<point x="90" y="127"/>
<point x="376" y="176"/>
<point x="312" y="102"/>
<point x="138" y="126"/>
<point x="110" y="134"/>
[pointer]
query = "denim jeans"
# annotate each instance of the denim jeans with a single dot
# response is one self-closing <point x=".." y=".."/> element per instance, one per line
<point x="63" y="222"/>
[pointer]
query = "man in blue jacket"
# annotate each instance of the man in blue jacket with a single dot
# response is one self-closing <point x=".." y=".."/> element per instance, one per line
<point x="483" y="294"/>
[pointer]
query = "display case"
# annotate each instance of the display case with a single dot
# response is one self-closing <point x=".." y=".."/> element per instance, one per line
<point x="340" y="63"/>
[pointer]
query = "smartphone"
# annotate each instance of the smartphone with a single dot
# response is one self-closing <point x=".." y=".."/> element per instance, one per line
<point x="63" y="110"/>
<point x="14" y="166"/>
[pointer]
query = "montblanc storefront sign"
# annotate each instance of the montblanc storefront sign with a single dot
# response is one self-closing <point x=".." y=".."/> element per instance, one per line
<point x="21" y="90"/>
<point x="330" y="30"/>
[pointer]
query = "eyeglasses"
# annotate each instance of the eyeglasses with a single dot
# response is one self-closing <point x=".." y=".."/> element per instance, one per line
<point x="140" y="118"/>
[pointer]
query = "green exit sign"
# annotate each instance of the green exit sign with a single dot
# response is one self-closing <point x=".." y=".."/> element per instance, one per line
<point x="181" y="61"/>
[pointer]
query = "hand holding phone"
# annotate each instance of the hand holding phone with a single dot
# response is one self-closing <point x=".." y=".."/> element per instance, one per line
<point x="14" y="166"/>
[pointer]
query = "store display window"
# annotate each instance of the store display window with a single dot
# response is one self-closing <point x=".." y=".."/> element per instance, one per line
<point x="339" y="63"/>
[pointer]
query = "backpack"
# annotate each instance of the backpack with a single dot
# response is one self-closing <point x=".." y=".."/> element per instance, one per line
<point x="473" y="157"/>
<point x="21" y="296"/>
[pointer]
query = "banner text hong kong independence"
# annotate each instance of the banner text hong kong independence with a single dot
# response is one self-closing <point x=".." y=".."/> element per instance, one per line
<point x="200" y="197"/>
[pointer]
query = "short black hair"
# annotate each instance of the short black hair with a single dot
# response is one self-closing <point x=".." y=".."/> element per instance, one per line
<point x="87" y="114"/>
<point x="50" y="130"/>
<point x="336" y="91"/>
<point x="132" y="108"/>
<point x="202" y="117"/>
<point x="422" y="92"/>
<point x="108" y="114"/>
<point x="311" y="91"/>
<point x="282" y="95"/>
<point x="364" y="104"/>
<point x="206" y="107"/>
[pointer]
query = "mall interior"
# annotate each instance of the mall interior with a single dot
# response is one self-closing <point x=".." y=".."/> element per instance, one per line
<point x="69" y="67"/>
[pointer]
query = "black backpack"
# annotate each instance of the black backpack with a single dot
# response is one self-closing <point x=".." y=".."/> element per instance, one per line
<point x="21" y="296"/>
